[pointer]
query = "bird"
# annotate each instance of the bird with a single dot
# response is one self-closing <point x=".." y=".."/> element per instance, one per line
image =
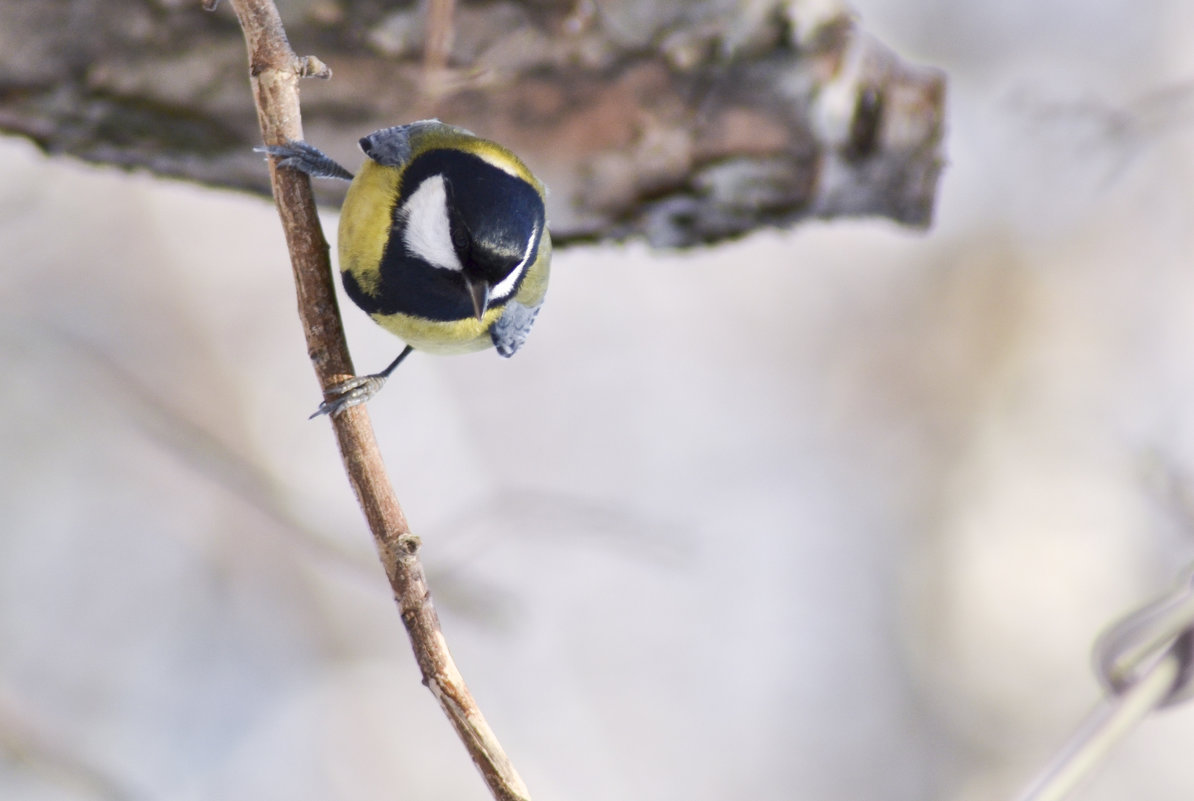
<point x="443" y="241"/>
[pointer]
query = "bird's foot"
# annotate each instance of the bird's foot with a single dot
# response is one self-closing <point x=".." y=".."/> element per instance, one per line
<point x="352" y="392"/>
<point x="306" y="158"/>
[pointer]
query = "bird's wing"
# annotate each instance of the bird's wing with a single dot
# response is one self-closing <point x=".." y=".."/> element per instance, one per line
<point x="394" y="147"/>
<point x="512" y="328"/>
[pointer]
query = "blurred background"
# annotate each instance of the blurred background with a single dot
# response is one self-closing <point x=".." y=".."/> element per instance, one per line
<point x="829" y="513"/>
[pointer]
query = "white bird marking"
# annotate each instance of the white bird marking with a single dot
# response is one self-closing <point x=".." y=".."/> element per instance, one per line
<point x="503" y="289"/>
<point x="427" y="233"/>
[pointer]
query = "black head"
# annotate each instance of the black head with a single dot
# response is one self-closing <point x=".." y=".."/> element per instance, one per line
<point x="464" y="233"/>
<point x="495" y="218"/>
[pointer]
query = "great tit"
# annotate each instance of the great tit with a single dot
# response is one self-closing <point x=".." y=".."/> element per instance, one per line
<point x="443" y="241"/>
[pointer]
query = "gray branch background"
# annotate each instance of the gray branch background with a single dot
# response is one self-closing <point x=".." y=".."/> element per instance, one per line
<point x="826" y="513"/>
<point x="683" y="122"/>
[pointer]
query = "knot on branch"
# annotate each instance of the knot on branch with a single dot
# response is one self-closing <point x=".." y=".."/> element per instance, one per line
<point x="312" y="67"/>
<point x="408" y="545"/>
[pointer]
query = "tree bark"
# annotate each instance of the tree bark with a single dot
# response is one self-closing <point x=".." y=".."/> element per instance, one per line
<point x="274" y="72"/>
<point x="685" y="123"/>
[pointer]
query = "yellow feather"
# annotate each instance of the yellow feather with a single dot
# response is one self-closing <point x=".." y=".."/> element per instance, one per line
<point x="365" y="223"/>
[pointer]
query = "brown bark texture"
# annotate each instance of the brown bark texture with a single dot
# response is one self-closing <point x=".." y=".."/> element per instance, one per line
<point x="684" y="123"/>
<point x="274" y="74"/>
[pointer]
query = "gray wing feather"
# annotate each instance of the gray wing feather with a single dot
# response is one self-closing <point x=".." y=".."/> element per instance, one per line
<point x="389" y="147"/>
<point x="392" y="147"/>
<point x="512" y="328"/>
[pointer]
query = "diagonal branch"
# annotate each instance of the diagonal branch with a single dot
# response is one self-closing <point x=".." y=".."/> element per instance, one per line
<point x="274" y="73"/>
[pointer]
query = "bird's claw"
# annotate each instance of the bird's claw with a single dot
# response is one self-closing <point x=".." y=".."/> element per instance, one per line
<point x="349" y="393"/>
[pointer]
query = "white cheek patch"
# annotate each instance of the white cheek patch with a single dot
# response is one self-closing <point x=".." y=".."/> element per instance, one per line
<point x="427" y="234"/>
<point x="505" y="287"/>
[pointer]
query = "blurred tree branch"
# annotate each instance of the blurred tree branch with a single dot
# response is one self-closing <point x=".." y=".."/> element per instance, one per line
<point x="275" y="71"/>
<point x="683" y="122"/>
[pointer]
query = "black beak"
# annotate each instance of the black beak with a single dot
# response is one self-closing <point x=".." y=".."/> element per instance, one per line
<point x="479" y="292"/>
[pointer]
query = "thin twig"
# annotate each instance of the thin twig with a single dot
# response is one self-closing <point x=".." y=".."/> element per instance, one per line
<point x="1145" y="662"/>
<point x="440" y="32"/>
<point x="1110" y="723"/>
<point x="274" y="72"/>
